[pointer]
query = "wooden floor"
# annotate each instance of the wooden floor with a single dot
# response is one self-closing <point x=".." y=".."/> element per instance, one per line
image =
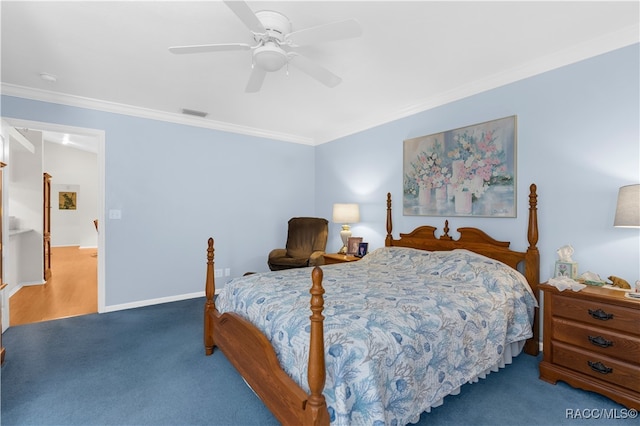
<point x="72" y="289"/>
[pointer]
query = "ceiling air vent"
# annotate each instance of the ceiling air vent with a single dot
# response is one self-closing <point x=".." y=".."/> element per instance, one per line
<point x="194" y="112"/>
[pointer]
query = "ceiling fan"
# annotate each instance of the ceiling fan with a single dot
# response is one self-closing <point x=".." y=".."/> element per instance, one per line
<point x="276" y="44"/>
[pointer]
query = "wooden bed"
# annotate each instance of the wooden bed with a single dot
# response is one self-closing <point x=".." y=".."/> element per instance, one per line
<point x="251" y="352"/>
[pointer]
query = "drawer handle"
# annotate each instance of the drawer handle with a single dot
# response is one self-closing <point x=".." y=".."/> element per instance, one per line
<point x="600" y="367"/>
<point x="600" y="341"/>
<point x="601" y="315"/>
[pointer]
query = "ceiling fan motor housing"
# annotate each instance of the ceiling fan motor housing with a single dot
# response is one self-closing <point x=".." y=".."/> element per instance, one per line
<point x="276" y="24"/>
<point x="270" y="55"/>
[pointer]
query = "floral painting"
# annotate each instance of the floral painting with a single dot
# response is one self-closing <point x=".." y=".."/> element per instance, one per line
<point x="463" y="172"/>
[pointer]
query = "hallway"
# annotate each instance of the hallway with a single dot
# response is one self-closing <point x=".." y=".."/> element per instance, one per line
<point x="72" y="289"/>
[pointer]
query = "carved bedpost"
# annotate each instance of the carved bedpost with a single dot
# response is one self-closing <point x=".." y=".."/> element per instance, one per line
<point x="209" y="306"/>
<point x="533" y="216"/>
<point x="387" y="241"/>
<point x="316" y="407"/>
<point x="532" y="266"/>
<point x="533" y="255"/>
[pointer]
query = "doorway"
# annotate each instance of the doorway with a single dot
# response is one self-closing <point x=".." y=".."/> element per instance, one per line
<point x="69" y="248"/>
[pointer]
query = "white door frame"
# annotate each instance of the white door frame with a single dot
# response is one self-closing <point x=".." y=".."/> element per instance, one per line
<point x="100" y="139"/>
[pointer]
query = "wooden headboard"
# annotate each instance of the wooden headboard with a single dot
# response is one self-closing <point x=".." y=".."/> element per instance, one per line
<point x="476" y="240"/>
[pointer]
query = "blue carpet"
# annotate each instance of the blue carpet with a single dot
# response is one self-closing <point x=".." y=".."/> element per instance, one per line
<point x="147" y="366"/>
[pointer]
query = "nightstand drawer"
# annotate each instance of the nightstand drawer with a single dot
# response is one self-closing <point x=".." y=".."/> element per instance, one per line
<point x="597" y="366"/>
<point x="597" y="313"/>
<point x="596" y="339"/>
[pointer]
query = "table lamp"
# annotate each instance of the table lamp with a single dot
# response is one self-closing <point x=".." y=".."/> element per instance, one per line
<point x="628" y="208"/>
<point x="345" y="214"/>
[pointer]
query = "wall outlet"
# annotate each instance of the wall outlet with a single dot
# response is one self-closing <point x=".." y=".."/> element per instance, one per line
<point x="115" y="214"/>
<point x="218" y="273"/>
<point x="227" y="272"/>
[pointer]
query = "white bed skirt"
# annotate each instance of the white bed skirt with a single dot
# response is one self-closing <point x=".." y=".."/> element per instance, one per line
<point x="511" y="351"/>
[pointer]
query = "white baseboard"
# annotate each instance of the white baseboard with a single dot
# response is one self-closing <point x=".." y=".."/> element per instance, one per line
<point x="75" y="245"/>
<point x="15" y="289"/>
<point x="132" y="305"/>
<point x="149" y="302"/>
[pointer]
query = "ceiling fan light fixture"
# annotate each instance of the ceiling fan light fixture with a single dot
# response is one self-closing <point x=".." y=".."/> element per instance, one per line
<point x="270" y="57"/>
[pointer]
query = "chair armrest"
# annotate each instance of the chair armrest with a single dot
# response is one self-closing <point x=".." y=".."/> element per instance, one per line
<point x="279" y="252"/>
<point x="316" y="258"/>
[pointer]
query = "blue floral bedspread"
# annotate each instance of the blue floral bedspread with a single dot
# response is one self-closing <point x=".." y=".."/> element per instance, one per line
<point x="403" y="327"/>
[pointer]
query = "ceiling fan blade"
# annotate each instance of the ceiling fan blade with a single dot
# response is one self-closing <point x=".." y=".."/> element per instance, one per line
<point x="255" y="80"/>
<point x="333" y="31"/>
<point x="246" y="15"/>
<point x="316" y="71"/>
<point x="203" y="48"/>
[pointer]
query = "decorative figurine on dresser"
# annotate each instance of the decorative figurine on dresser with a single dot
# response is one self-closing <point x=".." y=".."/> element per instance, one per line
<point x="592" y="339"/>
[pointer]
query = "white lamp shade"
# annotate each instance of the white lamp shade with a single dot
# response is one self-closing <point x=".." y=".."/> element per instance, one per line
<point x="346" y="213"/>
<point x="628" y="208"/>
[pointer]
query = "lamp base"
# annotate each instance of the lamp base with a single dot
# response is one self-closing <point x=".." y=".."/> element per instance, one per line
<point x="344" y="235"/>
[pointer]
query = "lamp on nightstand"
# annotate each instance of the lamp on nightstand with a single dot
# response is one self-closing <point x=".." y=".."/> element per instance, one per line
<point x="345" y="214"/>
<point x="628" y="208"/>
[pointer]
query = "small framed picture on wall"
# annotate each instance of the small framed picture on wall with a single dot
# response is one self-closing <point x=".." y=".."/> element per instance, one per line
<point x="67" y="200"/>
<point x="352" y="245"/>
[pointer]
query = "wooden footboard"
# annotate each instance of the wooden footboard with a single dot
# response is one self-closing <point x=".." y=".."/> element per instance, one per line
<point x="253" y="356"/>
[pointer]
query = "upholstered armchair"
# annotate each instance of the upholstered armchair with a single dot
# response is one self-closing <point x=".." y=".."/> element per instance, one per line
<point x="306" y="243"/>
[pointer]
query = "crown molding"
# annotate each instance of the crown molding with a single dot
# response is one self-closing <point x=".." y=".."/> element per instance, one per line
<point x="609" y="42"/>
<point x="595" y="47"/>
<point x="112" y="107"/>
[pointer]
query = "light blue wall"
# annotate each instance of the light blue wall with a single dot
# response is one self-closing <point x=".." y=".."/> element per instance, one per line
<point x="577" y="139"/>
<point x="177" y="185"/>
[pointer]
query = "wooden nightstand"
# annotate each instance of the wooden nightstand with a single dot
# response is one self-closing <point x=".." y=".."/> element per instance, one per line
<point x="592" y="342"/>
<point x="331" y="258"/>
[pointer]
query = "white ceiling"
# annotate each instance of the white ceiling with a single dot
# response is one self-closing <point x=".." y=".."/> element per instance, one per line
<point x="72" y="140"/>
<point x="412" y="56"/>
